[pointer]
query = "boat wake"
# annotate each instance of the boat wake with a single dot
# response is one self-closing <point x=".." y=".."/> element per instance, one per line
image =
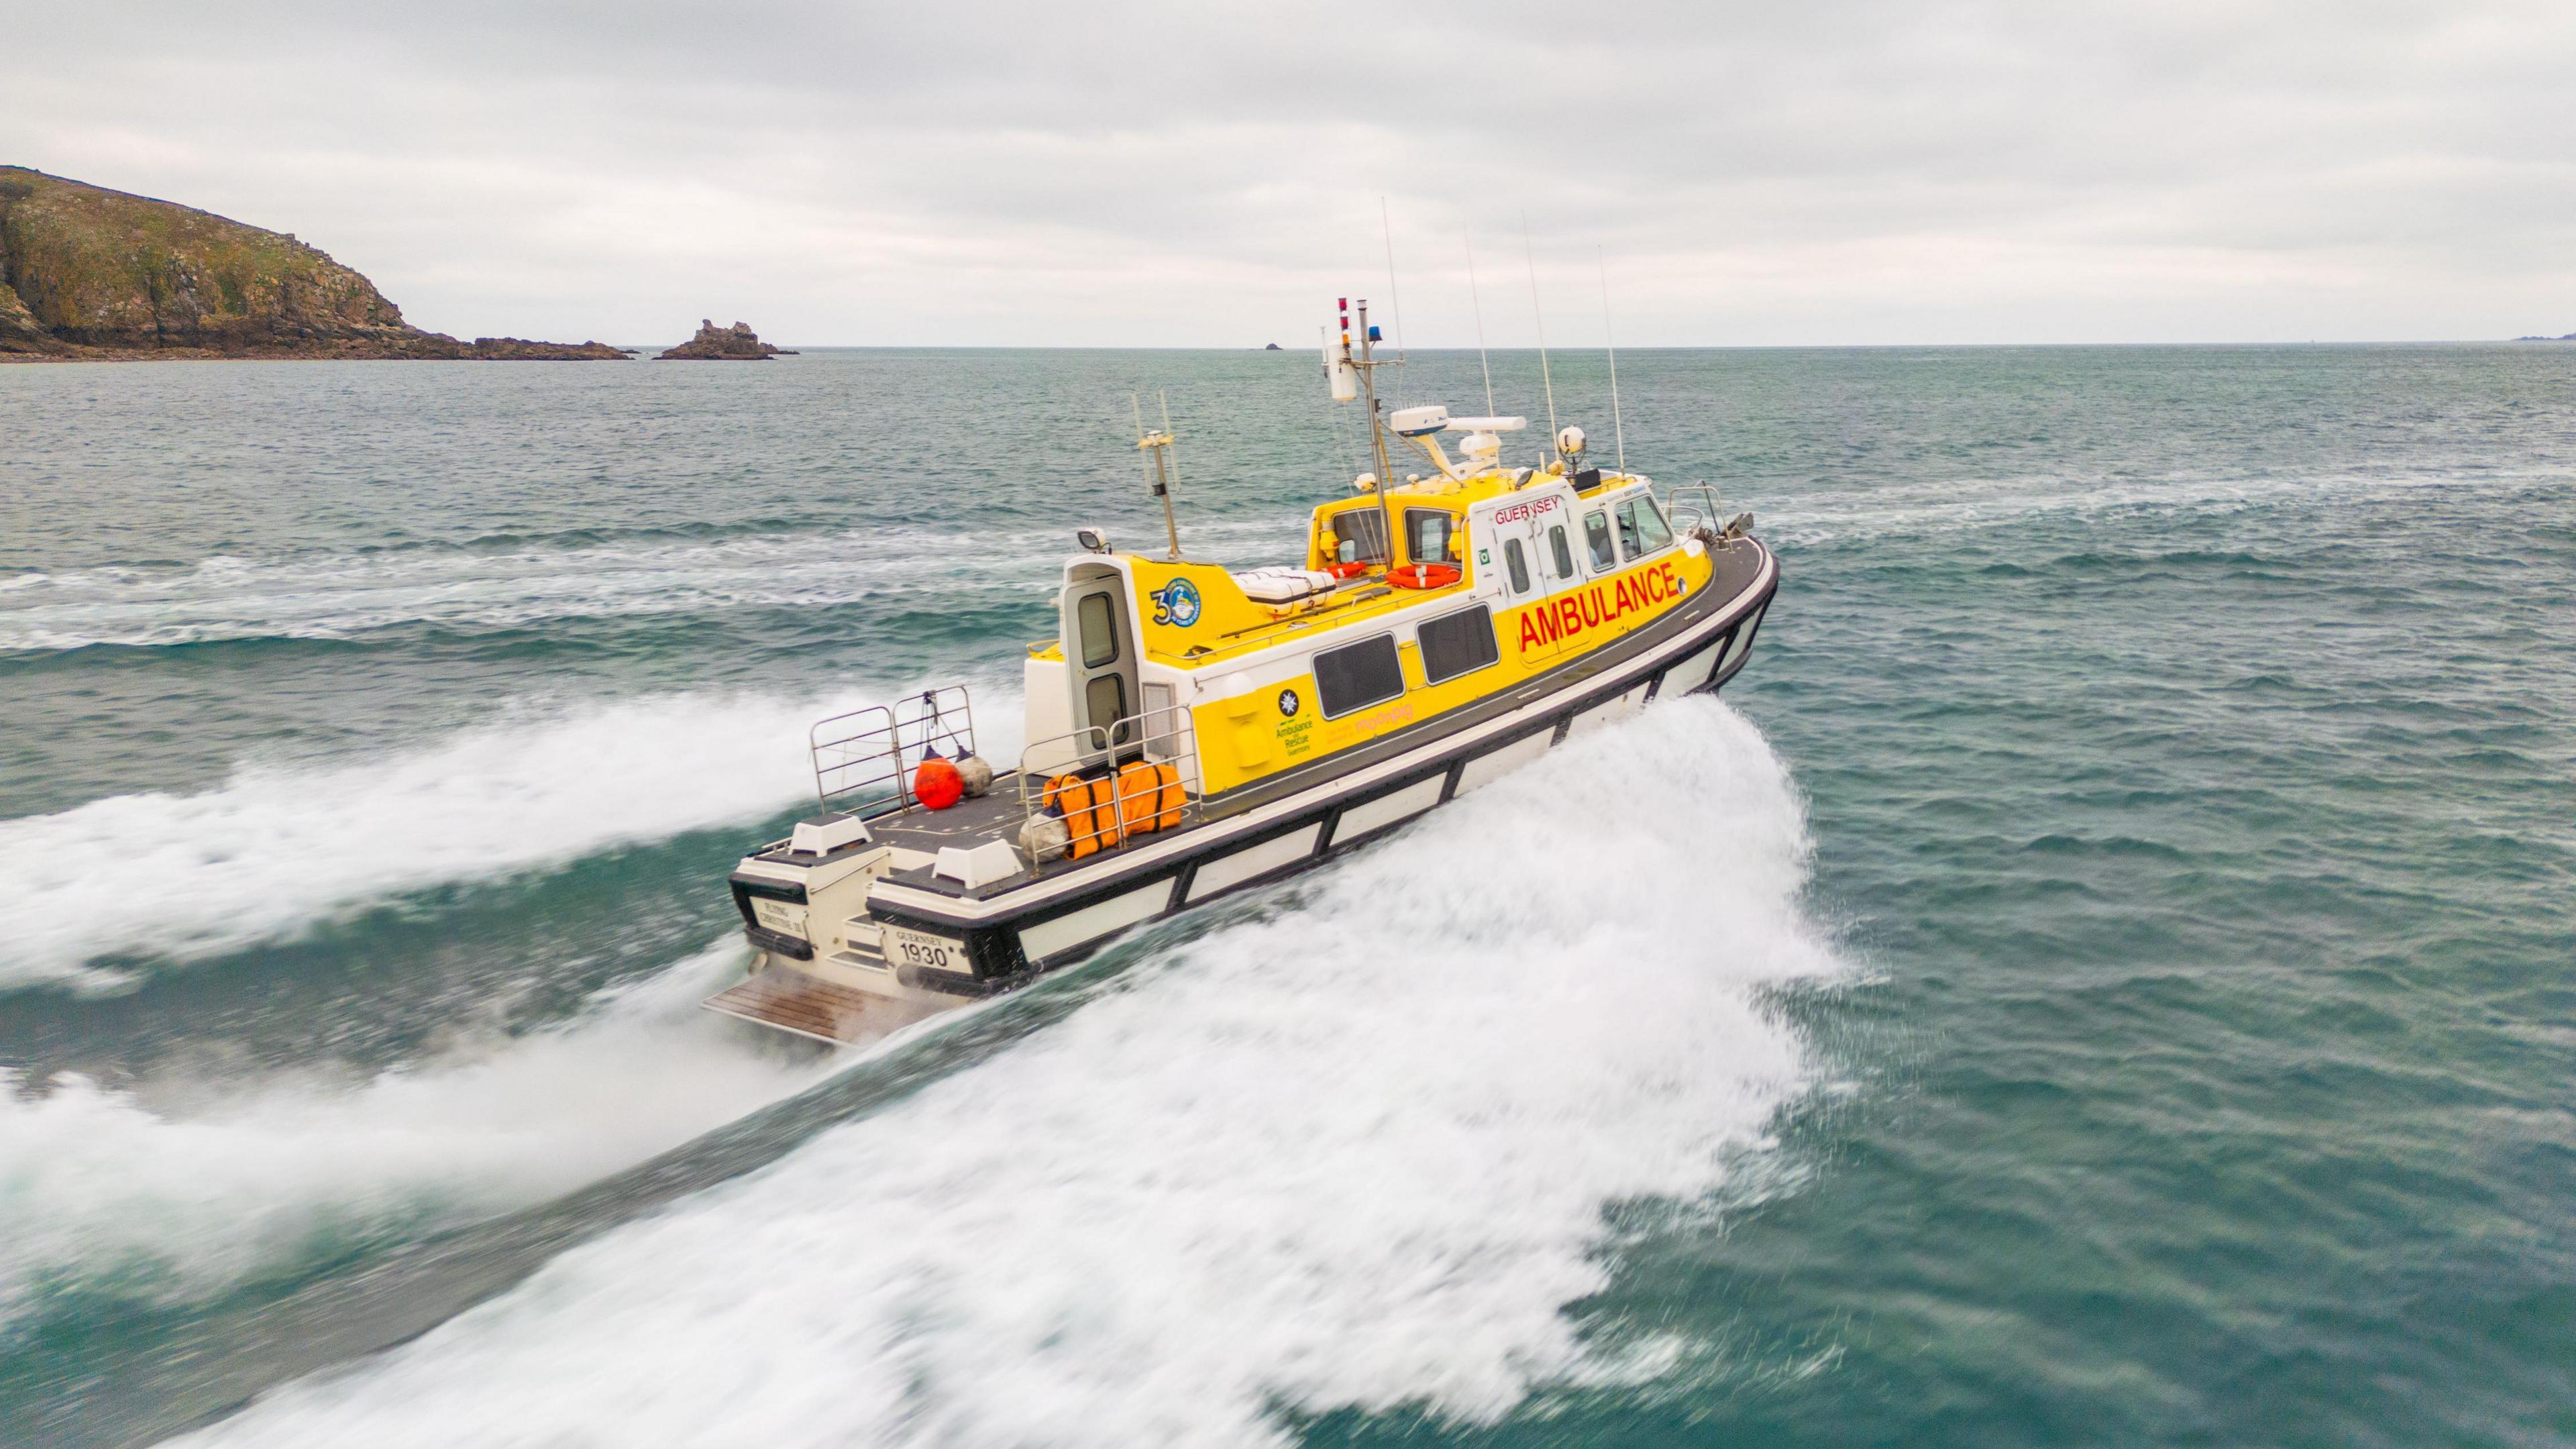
<point x="276" y="851"/>
<point x="1345" y="1143"/>
<point x="483" y="589"/>
<point x="175" y="1192"/>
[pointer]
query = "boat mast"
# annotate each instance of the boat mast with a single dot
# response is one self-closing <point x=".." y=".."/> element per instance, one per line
<point x="1377" y="434"/>
<point x="1157" y="448"/>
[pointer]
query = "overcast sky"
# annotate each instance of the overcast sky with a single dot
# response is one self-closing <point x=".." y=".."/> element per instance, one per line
<point x="1188" y="175"/>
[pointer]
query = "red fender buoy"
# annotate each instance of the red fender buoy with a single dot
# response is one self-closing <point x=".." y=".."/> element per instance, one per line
<point x="937" y="785"/>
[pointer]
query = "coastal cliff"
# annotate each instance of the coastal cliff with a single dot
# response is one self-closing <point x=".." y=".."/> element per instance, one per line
<point x="92" y="274"/>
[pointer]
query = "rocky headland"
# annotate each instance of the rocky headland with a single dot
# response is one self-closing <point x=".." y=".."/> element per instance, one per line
<point x="737" y="343"/>
<point x="88" y="274"/>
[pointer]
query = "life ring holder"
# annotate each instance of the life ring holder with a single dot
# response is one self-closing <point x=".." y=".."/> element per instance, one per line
<point x="1424" y="576"/>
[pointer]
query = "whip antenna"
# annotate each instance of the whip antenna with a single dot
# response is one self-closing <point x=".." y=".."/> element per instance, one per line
<point x="1618" y="429"/>
<point x="1386" y="229"/>
<point x="1544" y="375"/>
<point x="1478" y="300"/>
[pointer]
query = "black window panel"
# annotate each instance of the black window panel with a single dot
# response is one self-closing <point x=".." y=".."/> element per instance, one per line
<point x="1564" y="551"/>
<point x="1518" y="564"/>
<point x="1356" y="676"/>
<point x="1359" y="536"/>
<point x="1459" y="643"/>
<point x="1431" y="535"/>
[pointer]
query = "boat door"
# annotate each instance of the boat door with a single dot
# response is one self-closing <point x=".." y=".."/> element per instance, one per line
<point x="1516" y="569"/>
<point x="1100" y="660"/>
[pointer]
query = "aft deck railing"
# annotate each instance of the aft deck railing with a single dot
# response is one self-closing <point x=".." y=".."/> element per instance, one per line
<point x="863" y="760"/>
<point x="1162" y="735"/>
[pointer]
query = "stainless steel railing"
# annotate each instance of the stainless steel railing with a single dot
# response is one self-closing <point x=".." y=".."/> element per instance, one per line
<point x="865" y="765"/>
<point x="1684" y="514"/>
<point x="1162" y="735"/>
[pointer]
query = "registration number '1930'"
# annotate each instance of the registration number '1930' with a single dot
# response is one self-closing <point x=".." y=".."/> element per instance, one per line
<point x="931" y="953"/>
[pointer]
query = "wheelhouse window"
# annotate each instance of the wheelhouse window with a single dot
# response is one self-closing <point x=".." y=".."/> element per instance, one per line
<point x="1596" y="537"/>
<point x="1359" y="536"/>
<point x="1459" y="643"/>
<point x="1641" y="528"/>
<point x="1356" y="676"/>
<point x="1099" y="623"/>
<point x="1561" y="551"/>
<point x="1431" y="535"/>
<point x="1517" y="564"/>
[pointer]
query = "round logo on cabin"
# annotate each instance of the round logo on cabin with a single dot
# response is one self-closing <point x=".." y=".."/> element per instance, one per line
<point x="1176" y="604"/>
<point x="1287" y="701"/>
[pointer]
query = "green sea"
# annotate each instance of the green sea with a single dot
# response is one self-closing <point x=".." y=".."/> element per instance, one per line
<point x="2104" y="974"/>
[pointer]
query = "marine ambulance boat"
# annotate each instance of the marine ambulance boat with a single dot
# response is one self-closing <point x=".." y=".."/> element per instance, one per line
<point x="1196" y="729"/>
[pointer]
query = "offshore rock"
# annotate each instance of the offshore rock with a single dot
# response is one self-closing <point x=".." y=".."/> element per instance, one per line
<point x="737" y="343"/>
<point x="92" y="274"/>
<point x="520" y="349"/>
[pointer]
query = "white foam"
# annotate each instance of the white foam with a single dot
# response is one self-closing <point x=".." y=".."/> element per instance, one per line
<point x="1349" y="1151"/>
<point x="275" y="850"/>
<point x="1957" y="505"/>
<point x="340" y="595"/>
<point x="185" y="1190"/>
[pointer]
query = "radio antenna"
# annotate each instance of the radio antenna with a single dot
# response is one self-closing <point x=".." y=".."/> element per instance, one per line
<point x="1618" y="429"/>
<point x="1477" y="298"/>
<point x="1165" y="471"/>
<point x="1386" y="230"/>
<point x="1544" y="375"/>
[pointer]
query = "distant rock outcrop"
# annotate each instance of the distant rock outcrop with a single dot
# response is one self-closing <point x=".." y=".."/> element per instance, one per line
<point x="737" y="343"/>
<point x="87" y="273"/>
<point x="2570" y="337"/>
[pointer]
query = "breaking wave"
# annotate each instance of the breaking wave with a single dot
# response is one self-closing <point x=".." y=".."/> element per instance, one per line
<point x="1350" y="1145"/>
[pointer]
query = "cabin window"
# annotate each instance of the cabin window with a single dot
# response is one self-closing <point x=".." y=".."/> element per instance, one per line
<point x="1562" y="551"/>
<point x="1596" y="537"/>
<point x="1641" y="528"/>
<point x="1356" y="676"/>
<point x="1518" y="564"/>
<point x="1359" y="536"/>
<point x="1099" y="624"/>
<point x="1430" y="535"/>
<point x="1459" y="643"/>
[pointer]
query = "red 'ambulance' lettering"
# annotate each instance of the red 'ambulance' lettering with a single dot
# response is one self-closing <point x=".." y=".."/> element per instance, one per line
<point x="1568" y="615"/>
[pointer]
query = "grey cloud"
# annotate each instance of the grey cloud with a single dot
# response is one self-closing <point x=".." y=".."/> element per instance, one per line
<point x="1209" y="175"/>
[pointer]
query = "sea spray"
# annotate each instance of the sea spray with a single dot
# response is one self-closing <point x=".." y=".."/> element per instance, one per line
<point x="1350" y="1147"/>
<point x="274" y="851"/>
<point x="175" y="1191"/>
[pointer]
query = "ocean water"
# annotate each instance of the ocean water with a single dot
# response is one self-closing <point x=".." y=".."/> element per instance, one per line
<point x="2106" y="972"/>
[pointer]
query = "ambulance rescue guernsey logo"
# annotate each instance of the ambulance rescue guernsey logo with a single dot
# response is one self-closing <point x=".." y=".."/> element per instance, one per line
<point x="1287" y="701"/>
<point x="1176" y="604"/>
